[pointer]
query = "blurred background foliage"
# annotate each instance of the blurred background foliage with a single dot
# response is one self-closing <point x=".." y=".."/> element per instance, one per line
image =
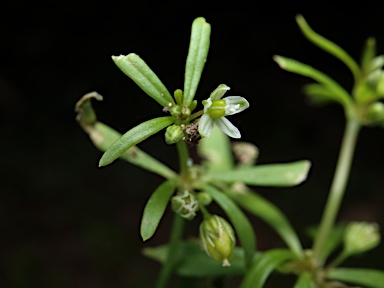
<point x="66" y="223"/>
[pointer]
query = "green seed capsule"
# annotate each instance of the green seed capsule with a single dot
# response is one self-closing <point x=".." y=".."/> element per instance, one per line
<point x="218" y="238"/>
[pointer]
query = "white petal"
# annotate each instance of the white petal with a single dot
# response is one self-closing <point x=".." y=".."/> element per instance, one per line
<point x="219" y="92"/>
<point x="205" y="125"/>
<point x="235" y="104"/>
<point x="227" y="127"/>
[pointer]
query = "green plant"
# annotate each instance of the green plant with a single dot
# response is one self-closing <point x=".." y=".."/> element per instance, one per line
<point x="222" y="179"/>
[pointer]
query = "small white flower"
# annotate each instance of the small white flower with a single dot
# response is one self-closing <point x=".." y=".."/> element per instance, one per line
<point x="216" y="108"/>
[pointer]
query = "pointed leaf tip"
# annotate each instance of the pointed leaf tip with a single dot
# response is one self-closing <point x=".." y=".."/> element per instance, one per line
<point x="136" y="69"/>
<point x="279" y="60"/>
<point x="197" y="56"/>
<point x="155" y="208"/>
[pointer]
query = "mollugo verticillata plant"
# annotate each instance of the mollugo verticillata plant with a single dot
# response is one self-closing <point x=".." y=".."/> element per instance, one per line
<point x="226" y="172"/>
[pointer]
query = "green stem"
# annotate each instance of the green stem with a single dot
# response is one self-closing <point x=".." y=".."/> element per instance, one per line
<point x="338" y="260"/>
<point x="205" y="212"/>
<point x="337" y="188"/>
<point x="195" y="115"/>
<point x="173" y="255"/>
<point x="183" y="156"/>
<point x="177" y="226"/>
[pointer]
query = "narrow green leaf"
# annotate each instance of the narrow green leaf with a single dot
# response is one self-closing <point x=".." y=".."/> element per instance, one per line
<point x="240" y="222"/>
<point x="136" y="69"/>
<point x="197" y="56"/>
<point x="133" y="137"/>
<point x="264" y="266"/>
<point x="297" y="67"/>
<point x="261" y="207"/>
<point x="318" y="94"/>
<point x="216" y="150"/>
<point x="155" y="208"/>
<point x="304" y="281"/>
<point x="328" y="46"/>
<point x="369" y="52"/>
<point x="194" y="262"/>
<point x="284" y="175"/>
<point x="366" y="277"/>
<point x="104" y="136"/>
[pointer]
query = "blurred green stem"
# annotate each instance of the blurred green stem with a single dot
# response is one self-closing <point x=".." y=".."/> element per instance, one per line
<point x="337" y="188"/>
<point x="183" y="156"/>
<point x="173" y="255"/>
<point x="177" y="226"/>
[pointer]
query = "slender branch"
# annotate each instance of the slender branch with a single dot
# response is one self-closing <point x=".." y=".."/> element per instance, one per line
<point x="337" y="188"/>
<point x="337" y="261"/>
<point x="173" y="255"/>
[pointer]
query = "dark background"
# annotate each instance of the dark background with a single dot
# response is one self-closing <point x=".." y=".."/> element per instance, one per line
<point x="66" y="223"/>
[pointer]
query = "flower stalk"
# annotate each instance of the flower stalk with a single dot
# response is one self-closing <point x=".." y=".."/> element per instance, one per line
<point x="337" y="188"/>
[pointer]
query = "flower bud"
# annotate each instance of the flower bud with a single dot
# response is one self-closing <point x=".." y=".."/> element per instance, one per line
<point x="175" y="110"/>
<point x="193" y="105"/>
<point x="375" y="112"/>
<point x="179" y="96"/>
<point x="174" y="134"/>
<point x="380" y="85"/>
<point x="185" y="112"/>
<point x="185" y="204"/>
<point x="360" y="237"/>
<point x="204" y="198"/>
<point x="218" y="238"/>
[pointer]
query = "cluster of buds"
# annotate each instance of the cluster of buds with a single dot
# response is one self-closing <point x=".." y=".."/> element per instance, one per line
<point x="215" y="110"/>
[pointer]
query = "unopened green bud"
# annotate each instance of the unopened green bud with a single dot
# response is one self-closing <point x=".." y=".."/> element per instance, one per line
<point x="204" y="198"/>
<point x="360" y="237"/>
<point x="375" y="112"/>
<point x="185" y="112"/>
<point x="179" y="96"/>
<point x="174" y="134"/>
<point x="193" y="105"/>
<point x="175" y="110"/>
<point x="380" y="85"/>
<point x="218" y="238"/>
<point x="185" y="204"/>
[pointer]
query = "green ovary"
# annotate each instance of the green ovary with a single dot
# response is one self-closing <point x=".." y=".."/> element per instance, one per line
<point x="217" y="108"/>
